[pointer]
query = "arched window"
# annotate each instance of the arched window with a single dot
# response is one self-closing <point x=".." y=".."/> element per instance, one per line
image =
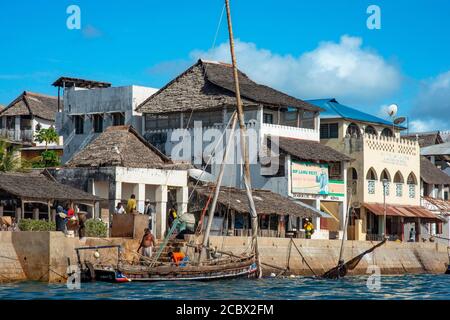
<point x="385" y="178"/>
<point x="370" y="130"/>
<point x="412" y="181"/>
<point x="398" y="178"/>
<point x="353" y="174"/>
<point x="353" y="130"/>
<point x="371" y="177"/>
<point x="412" y="178"/>
<point x="352" y="178"/>
<point x="385" y="175"/>
<point x="387" y="133"/>
<point x="371" y="174"/>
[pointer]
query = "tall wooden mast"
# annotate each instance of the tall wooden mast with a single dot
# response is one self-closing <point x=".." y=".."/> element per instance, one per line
<point x="243" y="132"/>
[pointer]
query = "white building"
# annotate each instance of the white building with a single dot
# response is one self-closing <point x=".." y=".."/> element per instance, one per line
<point x="119" y="163"/>
<point x="26" y="115"/>
<point x="91" y="106"/>
<point x="194" y="109"/>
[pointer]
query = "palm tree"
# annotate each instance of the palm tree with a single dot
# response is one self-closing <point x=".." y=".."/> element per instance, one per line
<point x="9" y="160"/>
<point x="48" y="136"/>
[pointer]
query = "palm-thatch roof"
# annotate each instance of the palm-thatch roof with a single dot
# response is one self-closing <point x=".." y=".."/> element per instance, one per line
<point x="40" y="187"/>
<point x="121" y="146"/>
<point x="210" y="85"/>
<point x="425" y="139"/>
<point x="266" y="202"/>
<point x="431" y="174"/>
<point x="35" y="104"/>
<point x="309" y="150"/>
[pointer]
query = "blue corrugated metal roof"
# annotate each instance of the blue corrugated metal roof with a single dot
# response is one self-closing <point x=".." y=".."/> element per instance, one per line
<point x="333" y="109"/>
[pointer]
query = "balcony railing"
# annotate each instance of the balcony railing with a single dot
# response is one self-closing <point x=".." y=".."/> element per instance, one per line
<point x="13" y="135"/>
<point x="290" y="132"/>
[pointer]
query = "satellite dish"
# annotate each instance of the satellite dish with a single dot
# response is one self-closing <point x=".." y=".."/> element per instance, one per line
<point x="399" y="120"/>
<point x="392" y="110"/>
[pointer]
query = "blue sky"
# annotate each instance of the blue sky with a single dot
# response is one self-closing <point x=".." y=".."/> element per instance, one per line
<point x="310" y="49"/>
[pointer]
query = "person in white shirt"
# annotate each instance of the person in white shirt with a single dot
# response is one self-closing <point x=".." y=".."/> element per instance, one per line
<point x="119" y="209"/>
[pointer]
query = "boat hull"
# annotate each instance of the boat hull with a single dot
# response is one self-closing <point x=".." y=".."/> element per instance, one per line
<point x="127" y="273"/>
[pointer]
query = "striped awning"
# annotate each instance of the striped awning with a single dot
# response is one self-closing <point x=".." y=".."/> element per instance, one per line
<point x="400" y="211"/>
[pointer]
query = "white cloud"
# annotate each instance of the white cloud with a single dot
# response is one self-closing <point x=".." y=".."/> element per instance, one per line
<point x="432" y="105"/>
<point x="344" y="70"/>
<point x="427" y="125"/>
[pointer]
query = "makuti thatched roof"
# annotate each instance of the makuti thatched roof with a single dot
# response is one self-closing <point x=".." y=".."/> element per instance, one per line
<point x="425" y="139"/>
<point x="120" y="146"/>
<point x="309" y="150"/>
<point x="431" y="174"/>
<point x="41" y="187"/>
<point x="35" y="104"/>
<point x="210" y="85"/>
<point x="266" y="202"/>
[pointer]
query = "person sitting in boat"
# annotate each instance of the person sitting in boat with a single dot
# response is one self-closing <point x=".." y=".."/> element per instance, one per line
<point x="309" y="228"/>
<point x="177" y="257"/>
<point x="147" y="244"/>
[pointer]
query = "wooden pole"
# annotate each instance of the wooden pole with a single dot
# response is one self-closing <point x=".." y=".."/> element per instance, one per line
<point x="243" y="134"/>
<point x="217" y="189"/>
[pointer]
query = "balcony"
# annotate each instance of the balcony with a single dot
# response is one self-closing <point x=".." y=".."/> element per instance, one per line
<point x="17" y="136"/>
<point x="290" y="132"/>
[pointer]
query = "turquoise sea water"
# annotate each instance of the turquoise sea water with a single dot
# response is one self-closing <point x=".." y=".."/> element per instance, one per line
<point x="301" y="288"/>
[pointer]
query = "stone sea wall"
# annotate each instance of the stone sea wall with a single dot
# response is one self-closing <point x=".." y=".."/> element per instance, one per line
<point x="322" y="255"/>
<point x="44" y="256"/>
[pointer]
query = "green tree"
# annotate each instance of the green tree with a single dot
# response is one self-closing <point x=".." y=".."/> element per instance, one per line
<point x="10" y="159"/>
<point x="47" y="136"/>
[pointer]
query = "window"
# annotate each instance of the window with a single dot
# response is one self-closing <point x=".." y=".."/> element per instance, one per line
<point x="412" y="190"/>
<point x="371" y="186"/>
<point x="10" y="122"/>
<point x="387" y="133"/>
<point x="371" y="174"/>
<point x="308" y="120"/>
<point x="335" y="170"/>
<point x="411" y="181"/>
<point x="386" y="188"/>
<point x="445" y="195"/>
<point x="370" y="130"/>
<point x="268" y="118"/>
<point x="399" y="189"/>
<point x="353" y="130"/>
<point x="329" y="131"/>
<point x="79" y="124"/>
<point x="118" y="119"/>
<point x="98" y="123"/>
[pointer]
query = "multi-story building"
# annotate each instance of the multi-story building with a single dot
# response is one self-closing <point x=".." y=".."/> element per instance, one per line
<point x="384" y="177"/>
<point x="26" y="115"/>
<point x="92" y="106"/>
<point x="195" y="108"/>
<point x="434" y="191"/>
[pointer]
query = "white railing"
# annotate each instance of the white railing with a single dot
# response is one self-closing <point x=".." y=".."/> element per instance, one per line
<point x="290" y="132"/>
<point x="13" y="135"/>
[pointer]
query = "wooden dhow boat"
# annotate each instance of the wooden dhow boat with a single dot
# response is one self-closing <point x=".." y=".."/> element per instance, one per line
<point x="205" y="263"/>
